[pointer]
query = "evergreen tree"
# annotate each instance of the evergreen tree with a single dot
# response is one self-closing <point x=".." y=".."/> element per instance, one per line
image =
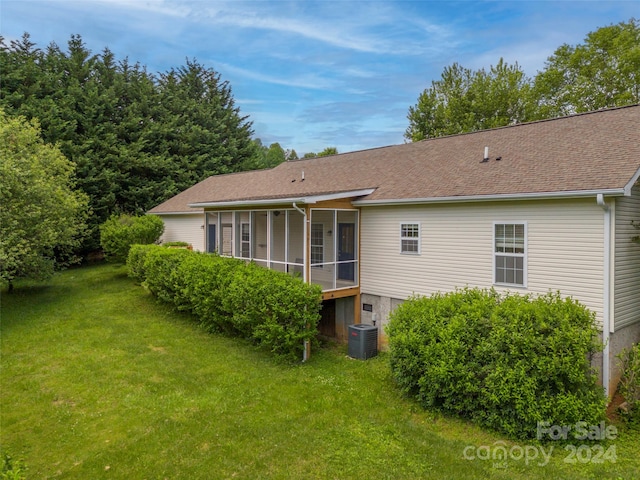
<point x="136" y="139"/>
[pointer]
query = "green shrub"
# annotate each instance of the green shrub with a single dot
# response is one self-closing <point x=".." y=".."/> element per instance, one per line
<point x="175" y="244"/>
<point x="120" y="232"/>
<point x="204" y="280"/>
<point x="278" y="311"/>
<point x="161" y="272"/>
<point x="433" y="344"/>
<point x="630" y="382"/>
<point x="273" y="309"/>
<point x="504" y="362"/>
<point x="540" y="353"/>
<point x="135" y="261"/>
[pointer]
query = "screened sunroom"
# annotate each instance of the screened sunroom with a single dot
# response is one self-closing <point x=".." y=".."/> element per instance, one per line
<point x="319" y="245"/>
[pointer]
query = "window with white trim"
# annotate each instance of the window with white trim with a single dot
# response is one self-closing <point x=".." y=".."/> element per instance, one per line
<point x="410" y="238"/>
<point x="510" y="253"/>
<point x="245" y="240"/>
<point x="317" y="244"/>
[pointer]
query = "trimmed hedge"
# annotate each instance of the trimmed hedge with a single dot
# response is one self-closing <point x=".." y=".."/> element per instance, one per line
<point x="227" y="295"/>
<point x="135" y="261"/>
<point x="505" y="362"/>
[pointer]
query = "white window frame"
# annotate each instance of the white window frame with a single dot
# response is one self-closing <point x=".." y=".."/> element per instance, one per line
<point x="524" y="255"/>
<point x="312" y="245"/>
<point x="245" y="243"/>
<point x="418" y="239"/>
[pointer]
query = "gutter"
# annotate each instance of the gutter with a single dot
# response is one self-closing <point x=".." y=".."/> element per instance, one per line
<point x="187" y="212"/>
<point x="606" y="304"/>
<point x="495" y="197"/>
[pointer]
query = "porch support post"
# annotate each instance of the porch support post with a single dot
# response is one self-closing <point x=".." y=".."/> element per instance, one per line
<point x="306" y="353"/>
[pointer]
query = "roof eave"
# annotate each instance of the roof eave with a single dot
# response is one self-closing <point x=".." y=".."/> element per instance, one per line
<point x="612" y="192"/>
<point x="308" y="200"/>
<point x="191" y="211"/>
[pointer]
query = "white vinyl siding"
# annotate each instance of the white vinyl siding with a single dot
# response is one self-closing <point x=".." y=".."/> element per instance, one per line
<point x="565" y="243"/>
<point x="626" y="309"/>
<point x="184" y="228"/>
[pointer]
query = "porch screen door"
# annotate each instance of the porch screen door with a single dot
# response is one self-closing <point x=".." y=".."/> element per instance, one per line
<point x="211" y="238"/>
<point x="346" y="251"/>
<point x="226" y="242"/>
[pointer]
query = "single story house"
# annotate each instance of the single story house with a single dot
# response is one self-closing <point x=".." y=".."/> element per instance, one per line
<point x="532" y="208"/>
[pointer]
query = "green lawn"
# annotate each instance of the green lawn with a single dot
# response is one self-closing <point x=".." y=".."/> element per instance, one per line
<point x="98" y="380"/>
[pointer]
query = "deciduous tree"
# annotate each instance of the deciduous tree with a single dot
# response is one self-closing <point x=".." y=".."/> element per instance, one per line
<point x="602" y="72"/>
<point x="464" y="101"/>
<point x="42" y="217"/>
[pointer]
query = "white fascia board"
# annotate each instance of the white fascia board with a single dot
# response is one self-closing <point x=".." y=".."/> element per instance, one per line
<point x="188" y="212"/>
<point x="631" y="183"/>
<point x="497" y="197"/>
<point x="279" y="201"/>
<point x="339" y="195"/>
<point x="246" y="203"/>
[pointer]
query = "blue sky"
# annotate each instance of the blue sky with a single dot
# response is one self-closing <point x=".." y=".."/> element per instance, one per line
<point x="312" y="74"/>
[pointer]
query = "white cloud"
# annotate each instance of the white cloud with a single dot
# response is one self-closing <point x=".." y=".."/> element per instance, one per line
<point x="308" y="29"/>
<point x="369" y="27"/>
<point x="161" y="7"/>
<point x="310" y="81"/>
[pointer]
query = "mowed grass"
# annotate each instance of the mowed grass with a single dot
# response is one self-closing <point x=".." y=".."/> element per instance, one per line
<point x="99" y="380"/>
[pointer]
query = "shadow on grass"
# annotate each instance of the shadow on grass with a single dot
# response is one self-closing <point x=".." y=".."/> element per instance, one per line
<point x="27" y="297"/>
<point x="24" y="290"/>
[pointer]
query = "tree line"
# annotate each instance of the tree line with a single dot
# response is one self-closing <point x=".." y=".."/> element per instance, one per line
<point x="136" y="139"/>
<point x="602" y="72"/>
<point x="85" y="136"/>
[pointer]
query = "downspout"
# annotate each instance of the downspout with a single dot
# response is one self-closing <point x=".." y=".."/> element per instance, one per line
<point x="305" y="344"/>
<point x="606" y="320"/>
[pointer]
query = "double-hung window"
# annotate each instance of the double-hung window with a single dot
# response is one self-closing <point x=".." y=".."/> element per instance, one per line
<point x="245" y="240"/>
<point x="317" y="244"/>
<point x="410" y="238"/>
<point x="510" y="253"/>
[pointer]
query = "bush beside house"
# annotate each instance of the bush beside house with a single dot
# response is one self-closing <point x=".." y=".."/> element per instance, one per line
<point x="120" y="232"/>
<point x="629" y="386"/>
<point x="506" y="362"/>
<point x="227" y="295"/>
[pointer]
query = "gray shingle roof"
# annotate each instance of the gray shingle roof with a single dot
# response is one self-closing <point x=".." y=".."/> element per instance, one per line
<point x="596" y="151"/>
